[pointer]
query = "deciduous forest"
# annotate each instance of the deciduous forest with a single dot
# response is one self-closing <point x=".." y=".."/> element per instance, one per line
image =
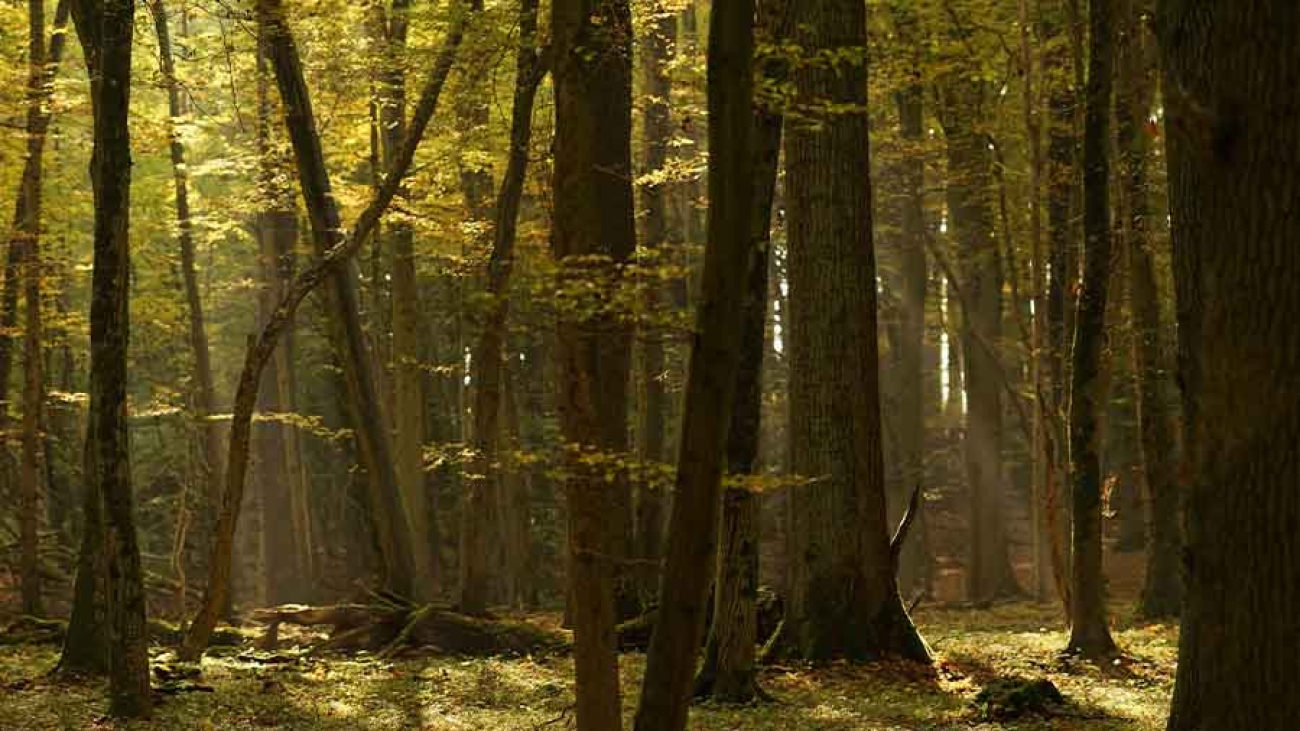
<point x="650" y="364"/>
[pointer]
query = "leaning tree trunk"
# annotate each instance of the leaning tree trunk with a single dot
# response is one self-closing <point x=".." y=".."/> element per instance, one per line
<point x="261" y="348"/>
<point x="594" y="232"/>
<point x="1090" y="632"/>
<point x="843" y="597"/>
<point x="488" y="369"/>
<point x="105" y="29"/>
<point x="1162" y="591"/>
<point x="1230" y="75"/>
<point x="727" y="282"/>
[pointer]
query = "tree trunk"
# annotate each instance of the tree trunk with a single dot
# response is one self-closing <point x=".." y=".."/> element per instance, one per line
<point x="594" y="231"/>
<point x="1090" y="633"/>
<point x="1162" y="591"/>
<point x="105" y="29"/>
<point x="970" y="170"/>
<point x="488" y="370"/>
<point x="409" y="428"/>
<point x="261" y="348"/>
<point x="843" y="597"/>
<point x="656" y="130"/>
<point x="1230" y="73"/>
<point x="205" y="396"/>
<point x="728" y="282"/>
<point x="914" y="569"/>
<point x="729" y="673"/>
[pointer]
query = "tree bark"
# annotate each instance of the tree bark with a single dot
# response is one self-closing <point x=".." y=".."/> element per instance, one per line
<point x="105" y="28"/>
<point x="1229" y="73"/>
<point x="843" y="597"/>
<point x="1090" y="633"/>
<point x="261" y="348"/>
<point x="730" y="260"/>
<point x="594" y="232"/>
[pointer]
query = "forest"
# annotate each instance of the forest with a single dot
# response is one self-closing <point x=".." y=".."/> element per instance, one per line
<point x="530" y="365"/>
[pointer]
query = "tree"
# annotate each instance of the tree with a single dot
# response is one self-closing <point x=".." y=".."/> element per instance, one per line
<point x="205" y="394"/>
<point x="1233" y="151"/>
<point x="297" y="104"/>
<point x="593" y="233"/>
<point x="729" y="672"/>
<point x="106" y="28"/>
<point x="487" y="366"/>
<point x="1090" y="632"/>
<point x="729" y="261"/>
<point x="1157" y="420"/>
<point x="843" y="597"/>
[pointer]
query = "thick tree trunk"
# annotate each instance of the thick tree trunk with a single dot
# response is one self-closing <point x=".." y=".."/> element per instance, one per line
<point x="729" y="264"/>
<point x="843" y="597"/>
<point x="488" y="371"/>
<point x="1090" y="633"/>
<point x="261" y="348"/>
<point x="656" y="130"/>
<point x="594" y="231"/>
<point x="106" y="29"/>
<point x="1230" y="73"/>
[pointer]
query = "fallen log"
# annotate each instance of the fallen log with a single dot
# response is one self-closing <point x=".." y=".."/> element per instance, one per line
<point x="391" y="628"/>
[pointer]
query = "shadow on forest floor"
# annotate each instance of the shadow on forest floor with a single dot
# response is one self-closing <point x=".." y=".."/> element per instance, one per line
<point x="521" y="694"/>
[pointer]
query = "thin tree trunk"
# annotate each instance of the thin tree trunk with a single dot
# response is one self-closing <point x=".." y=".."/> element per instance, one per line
<point x="594" y="229"/>
<point x="205" y="397"/>
<point x="731" y="259"/>
<point x="488" y="371"/>
<point x="656" y="129"/>
<point x="1230" y="75"/>
<point x="1090" y="633"/>
<point x="842" y="591"/>
<point x="409" y="428"/>
<point x="262" y="347"/>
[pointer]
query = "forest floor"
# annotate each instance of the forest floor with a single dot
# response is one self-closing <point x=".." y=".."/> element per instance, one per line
<point x="248" y="690"/>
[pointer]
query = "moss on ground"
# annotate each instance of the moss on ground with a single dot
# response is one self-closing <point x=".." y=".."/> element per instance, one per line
<point x="974" y="648"/>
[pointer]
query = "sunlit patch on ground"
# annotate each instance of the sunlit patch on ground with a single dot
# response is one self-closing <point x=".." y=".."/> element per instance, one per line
<point x="522" y="694"/>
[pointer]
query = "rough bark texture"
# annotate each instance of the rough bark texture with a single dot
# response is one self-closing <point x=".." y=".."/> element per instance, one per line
<point x="729" y="260"/>
<point x="843" y="597"/>
<point x="1230" y="75"/>
<point x="106" y="29"/>
<point x="488" y="369"/>
<point x="1090" y="631"/>
<point x="656" y="131"/>
<point x="593" y="232"/>
<point x="261" y="348"/>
